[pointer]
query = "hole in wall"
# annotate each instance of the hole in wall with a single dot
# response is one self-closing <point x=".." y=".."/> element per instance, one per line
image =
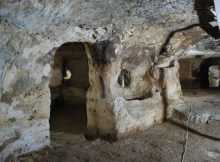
<point x="68" y="85"/>
<point x="124" y="79"/>
<point x="66" y="71"/>
<point x="142" y="97"/>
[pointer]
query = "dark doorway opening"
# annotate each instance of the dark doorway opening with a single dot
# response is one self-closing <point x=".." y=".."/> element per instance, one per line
<point x="69" y="84"/>
<point x="210" y="72"/>
<point x="199" y="73"/>
<point x="199" y="79"/>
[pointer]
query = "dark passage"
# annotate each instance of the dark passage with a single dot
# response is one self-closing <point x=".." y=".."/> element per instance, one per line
<point x="200" y="73"/>
<point x="69" y="83"/>
<point x="68" y="118"/>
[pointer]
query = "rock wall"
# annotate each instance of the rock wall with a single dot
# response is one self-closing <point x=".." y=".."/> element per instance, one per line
<point x="133" y="83"/>
<point x="214" y="73"/>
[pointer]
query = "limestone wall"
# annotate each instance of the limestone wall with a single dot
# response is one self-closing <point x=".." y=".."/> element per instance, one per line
<point x="130" y="85"/>
<point x="150" y="91"/>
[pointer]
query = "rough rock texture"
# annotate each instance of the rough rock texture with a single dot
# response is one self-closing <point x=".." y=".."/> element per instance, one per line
<point x="118" y="35"/>
<point x="200" y="106"/>
<point x="202" y="145"/>
<point x="214" y="76"/>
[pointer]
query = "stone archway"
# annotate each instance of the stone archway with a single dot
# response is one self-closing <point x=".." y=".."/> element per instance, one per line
<point x="194" y="72"/>
<point x="68" y="85"/>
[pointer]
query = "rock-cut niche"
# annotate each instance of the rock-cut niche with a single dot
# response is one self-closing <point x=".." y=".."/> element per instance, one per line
<point x="68" y="85"/>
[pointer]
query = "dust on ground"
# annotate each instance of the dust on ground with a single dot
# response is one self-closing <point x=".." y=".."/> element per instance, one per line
<point x="163" y="143"/>
<point x="176" y="140"/>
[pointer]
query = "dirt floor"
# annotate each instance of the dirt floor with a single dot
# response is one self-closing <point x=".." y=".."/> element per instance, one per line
<point x="176" y="140"/>
<point x="167" y="142"/>
<point x="68" y="118"/>
<point x="203" y="104"/>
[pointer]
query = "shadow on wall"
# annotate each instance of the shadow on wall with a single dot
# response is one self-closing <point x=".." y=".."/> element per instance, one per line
<point x="203" y="9"/>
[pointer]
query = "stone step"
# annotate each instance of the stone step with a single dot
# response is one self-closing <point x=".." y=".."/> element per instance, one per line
<point x="198" y="112"/>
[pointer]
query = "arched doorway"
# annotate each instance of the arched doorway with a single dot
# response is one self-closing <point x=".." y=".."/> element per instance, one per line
<point x="198" y="73"/>
<point x="209" y="73"/>
<point x="69" y="83"/>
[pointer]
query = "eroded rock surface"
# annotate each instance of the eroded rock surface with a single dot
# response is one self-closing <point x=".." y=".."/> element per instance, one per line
<point x="118" y="36"/>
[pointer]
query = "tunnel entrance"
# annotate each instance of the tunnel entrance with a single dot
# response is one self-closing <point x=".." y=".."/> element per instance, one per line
<point x="199" y="78"/>
<point x="68" y="85"/>
<point x="199" y="73"/>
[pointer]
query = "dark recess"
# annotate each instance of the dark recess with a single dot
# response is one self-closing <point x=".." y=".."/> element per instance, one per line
<point x="205" y="15"/>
